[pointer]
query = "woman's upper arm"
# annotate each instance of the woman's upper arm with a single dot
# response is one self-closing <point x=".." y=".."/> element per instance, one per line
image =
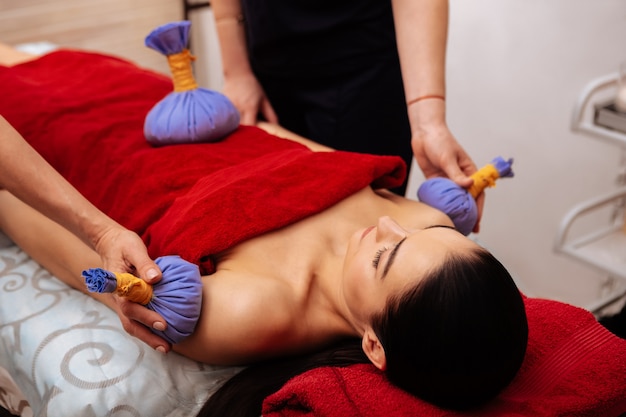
<point x="241" y="321"/>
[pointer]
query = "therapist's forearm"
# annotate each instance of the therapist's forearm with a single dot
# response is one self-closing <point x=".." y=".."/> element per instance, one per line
<point x="232" y="38"/>
<point x="421" y="33"/>
<point x="25" y="174"/>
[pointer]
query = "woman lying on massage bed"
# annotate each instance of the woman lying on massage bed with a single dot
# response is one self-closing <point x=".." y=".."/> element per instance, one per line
<point x="429" y="306"/>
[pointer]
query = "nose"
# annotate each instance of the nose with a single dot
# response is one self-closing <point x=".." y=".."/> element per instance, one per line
<point x="388" y="228"/>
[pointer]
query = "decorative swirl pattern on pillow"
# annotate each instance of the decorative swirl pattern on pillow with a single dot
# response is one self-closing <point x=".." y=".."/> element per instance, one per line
<point x="70" y="356"/>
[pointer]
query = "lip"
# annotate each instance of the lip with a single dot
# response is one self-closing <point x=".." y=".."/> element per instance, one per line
<point x="366" y="231"/>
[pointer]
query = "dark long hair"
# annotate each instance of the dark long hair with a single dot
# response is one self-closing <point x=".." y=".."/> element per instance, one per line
<point x="459" y="337"/>
<point x="456" y="339"/>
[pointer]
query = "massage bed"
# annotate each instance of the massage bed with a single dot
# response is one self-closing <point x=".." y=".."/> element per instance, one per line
<point x="64" y="354"/>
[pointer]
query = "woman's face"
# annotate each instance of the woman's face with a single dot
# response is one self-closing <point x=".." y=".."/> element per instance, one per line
<point x="386" y="259"/>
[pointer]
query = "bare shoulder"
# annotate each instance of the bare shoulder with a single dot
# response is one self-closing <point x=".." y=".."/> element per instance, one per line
<point x="244" y="319"/>
<point x="281" y="132"/>
<point x="413" y="213"/>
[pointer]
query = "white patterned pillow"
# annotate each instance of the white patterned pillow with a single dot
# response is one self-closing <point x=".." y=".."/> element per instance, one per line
<point x="70" y="356"/>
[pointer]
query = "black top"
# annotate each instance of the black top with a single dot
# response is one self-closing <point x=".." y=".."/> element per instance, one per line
<point x="317" y="38"/>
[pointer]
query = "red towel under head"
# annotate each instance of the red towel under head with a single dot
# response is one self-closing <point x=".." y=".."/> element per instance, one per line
<point x="84" y="113"/>
<point x="573" y="367"/>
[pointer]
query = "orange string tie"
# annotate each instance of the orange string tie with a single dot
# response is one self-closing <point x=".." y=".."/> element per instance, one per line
<point x="133" y="288"/>
<point x="483" y="178"/>
<point x="182" y="74"/>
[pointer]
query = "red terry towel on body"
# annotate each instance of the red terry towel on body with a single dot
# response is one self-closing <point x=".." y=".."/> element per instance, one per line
<point x="84" y="113"/>
<point x="573" y="367"/>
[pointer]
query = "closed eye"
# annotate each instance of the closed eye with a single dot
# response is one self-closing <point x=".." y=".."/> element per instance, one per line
<point x="392" y="257"/>
<point x="376" y="259"/>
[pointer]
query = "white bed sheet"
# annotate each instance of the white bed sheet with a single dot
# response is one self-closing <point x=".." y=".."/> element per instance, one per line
<point x="70" y="356"/>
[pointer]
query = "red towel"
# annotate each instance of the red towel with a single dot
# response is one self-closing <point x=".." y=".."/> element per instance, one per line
<point x="573" y="367"/>
<point x="84" y="113"/>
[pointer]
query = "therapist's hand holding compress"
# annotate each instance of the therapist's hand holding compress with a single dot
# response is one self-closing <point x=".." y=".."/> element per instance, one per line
<point x="437" y="151"/>
<point x="25" y="174"/>
<point x="422" y="33"/>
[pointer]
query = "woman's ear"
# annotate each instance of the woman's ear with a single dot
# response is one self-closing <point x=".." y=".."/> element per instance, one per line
<point x="374" y="349"/>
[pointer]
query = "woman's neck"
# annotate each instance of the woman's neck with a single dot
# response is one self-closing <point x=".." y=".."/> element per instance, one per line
<point x="339" y="223"/>
<point x="336" y="226"/>
<point x="300" y="267"/>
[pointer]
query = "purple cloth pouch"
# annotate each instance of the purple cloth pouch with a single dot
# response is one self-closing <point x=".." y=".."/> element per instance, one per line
<point x="455" y="201"/>
<point x="177" y="297"/>
<point x="189" y="114"/>
<point x="459" y="203"/>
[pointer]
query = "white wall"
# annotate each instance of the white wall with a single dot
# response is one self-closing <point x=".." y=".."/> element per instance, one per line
<point x="515" y="71"/>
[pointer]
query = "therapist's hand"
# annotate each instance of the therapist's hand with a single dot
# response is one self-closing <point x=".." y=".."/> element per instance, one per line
<point x="248" y="97"/>
<point x="137" y="321"/>
<point x="438" y="154"/>
<point x="122" y="250"/>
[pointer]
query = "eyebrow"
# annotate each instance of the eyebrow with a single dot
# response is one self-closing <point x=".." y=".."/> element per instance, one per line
<point x="392" y="257"/>
<point x="445" y="226"/>
<point x="394" y="251"/>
